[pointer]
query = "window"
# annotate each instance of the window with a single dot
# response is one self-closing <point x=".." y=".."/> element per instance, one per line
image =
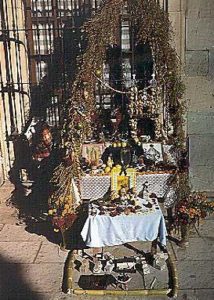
<point x="43" y="38"/>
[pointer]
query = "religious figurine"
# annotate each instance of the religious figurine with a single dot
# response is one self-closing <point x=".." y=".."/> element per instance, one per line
<point x="114" y="196"/>
<point x="123" y="194"/>
<point x="133" y="197"/>
<point x="134" y="159"/>
<point x="110" y="162"/>
<point x="141" y="165"/>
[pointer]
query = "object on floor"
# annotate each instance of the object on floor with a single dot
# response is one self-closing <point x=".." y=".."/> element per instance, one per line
<point x="97" y="267"/>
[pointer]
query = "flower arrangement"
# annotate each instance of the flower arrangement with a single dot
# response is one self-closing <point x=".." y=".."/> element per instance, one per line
<point x="63" y="223"/>
<point x="192" y="209"/>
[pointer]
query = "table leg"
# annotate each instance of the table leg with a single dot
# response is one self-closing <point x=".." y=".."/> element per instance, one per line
<point x="63" y="243"/>
<point x="154" y="247"/>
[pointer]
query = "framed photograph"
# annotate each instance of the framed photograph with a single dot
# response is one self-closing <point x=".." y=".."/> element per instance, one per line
<point x="93" y="152"/>
<point x="153" y="152"/>
<point x="118" y="180"/>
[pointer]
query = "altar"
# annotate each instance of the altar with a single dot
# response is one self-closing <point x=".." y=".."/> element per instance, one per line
<point x="122" y="133"/>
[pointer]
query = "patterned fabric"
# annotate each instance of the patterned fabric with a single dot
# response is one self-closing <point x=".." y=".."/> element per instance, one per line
<point x="95" y="187"/>
<point x="157" y="183"/>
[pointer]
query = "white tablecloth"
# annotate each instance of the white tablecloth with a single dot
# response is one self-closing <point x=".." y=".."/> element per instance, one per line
<point x="102" y="230"/>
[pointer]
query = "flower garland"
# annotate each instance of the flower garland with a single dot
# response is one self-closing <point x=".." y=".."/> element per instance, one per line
<point x="153" y="27"/>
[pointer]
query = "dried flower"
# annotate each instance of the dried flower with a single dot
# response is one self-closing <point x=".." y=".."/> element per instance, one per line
<point x="192" y="209"/>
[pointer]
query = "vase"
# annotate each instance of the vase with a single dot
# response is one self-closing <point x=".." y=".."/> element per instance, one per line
<point x="184" y="228"/>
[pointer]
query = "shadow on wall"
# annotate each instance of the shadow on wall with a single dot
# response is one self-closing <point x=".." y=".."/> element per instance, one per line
<point x="13" y="285"/>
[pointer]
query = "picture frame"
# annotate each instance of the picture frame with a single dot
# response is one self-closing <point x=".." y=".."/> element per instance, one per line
<point x="119" y="180"/>
<point x="93" y="152"/>
<point x="153" y="151"/>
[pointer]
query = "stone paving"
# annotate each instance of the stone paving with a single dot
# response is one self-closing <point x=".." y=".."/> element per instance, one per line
<point x="32" y="264"/>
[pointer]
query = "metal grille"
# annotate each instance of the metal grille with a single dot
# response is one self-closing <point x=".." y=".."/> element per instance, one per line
<point x="14" y="84"/>
<point x="54" y="39"/>
<point x="54" y="42"/>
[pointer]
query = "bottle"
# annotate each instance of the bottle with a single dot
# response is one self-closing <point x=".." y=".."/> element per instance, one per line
<point x="134" y="158"/>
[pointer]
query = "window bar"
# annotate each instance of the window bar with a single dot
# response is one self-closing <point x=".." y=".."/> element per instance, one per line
<point x="45" y="30"/>
<point x="64" y="8"/>
<point x="20" y="86"/>
<point x="35" y="51"/>
<point x="29" y="30"/>
<point x="84" y="9"/>
<point x="10" y="83"/>
<point x="13" y="20"/>
<point x="4" y="7"/>
<point x="55" y="31"/>
<point x="45" y="39"/>
<point x="5" y="116"/>
<point x="40" y="49"/>
<point x="19" y="70"/>
<point x="166" y="5"/>
<point x="75" y="8"/>
<point x="62" y="67"/>
<point x="37" y="38"/>
<point x="10" y="80"/>
<point x="12" y="95"/>
<point x="50" y="28"/>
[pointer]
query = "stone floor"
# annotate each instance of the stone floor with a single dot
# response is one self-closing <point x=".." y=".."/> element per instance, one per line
<point x="32" y="264"/>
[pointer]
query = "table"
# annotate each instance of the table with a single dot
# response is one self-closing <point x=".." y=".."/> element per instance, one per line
<point x="103" y="230"/>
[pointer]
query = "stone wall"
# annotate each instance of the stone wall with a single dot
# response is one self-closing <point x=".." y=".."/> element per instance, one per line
<point x="193" y="22"/>
<point x="199" y="71"/>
